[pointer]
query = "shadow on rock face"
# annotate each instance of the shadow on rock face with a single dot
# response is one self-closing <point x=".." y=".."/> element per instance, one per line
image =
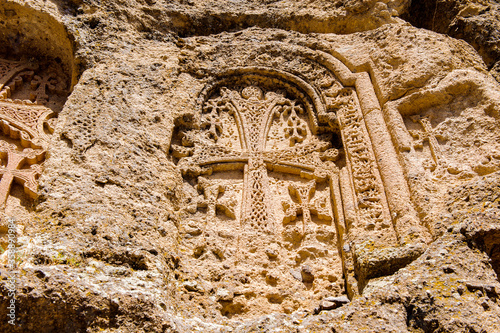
<point x="476" y="22"/>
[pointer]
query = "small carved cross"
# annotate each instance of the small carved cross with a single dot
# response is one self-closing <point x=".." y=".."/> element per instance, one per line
<point x="40" y="85"/>
<point x="212" y="122"/>
<point x="427" y="134"/>
<point x="212" y="201"/>
<point x="303" y="194"/>
<point x="12" y="171"/>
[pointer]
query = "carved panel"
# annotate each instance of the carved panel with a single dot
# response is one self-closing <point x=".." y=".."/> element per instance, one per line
<point x="445" y="135"/>
<point x="305" y="150"/>
<point x="451" y="145"/>
<point x="368" y="189"/>
<point x="30" y="95"/>
<point x="261" y="199"/>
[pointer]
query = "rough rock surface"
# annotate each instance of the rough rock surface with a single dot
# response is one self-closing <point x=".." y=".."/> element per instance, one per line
<point x="476" y="22"/>
<point x="249" y="166"/>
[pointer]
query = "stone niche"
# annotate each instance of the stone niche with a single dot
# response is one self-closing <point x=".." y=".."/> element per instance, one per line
<point x="262" y="174"/>
<point x="284" y="202"/>
<point x="447" y="137"/>
<point x="34" y="85"/>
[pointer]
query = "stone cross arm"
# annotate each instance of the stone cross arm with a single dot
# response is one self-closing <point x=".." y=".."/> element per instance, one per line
<point x="13" y="171"/>
<point x="304" y="204"/>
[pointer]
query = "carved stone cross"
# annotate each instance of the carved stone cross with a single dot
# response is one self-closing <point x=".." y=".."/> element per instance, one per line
<point x="12" y="171"/>
<point x="26" y="120"/>
<point x="253" y="113"/>
<point x="42" y="85"/>
<point x="212" y="201"/>
<point x="304" y="205"/>
<point x="427" y="134"/>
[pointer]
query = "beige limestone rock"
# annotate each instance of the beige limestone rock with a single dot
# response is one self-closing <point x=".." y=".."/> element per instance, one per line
<point x="476" y="22"/>
<point x="233" y="166"/>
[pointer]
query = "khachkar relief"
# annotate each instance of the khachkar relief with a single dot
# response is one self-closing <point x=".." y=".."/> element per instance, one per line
<point x="29" y="92"/>
<point x="292" y="187"/>
<point x="432" y="140"/>
<point x="449" y="132"/>
<point x="263" y="178"/>
<point x="445" y="136"/>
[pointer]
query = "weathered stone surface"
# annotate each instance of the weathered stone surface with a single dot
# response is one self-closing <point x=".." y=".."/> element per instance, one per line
<point x="331" y="303"/>
<point x="476" y="22"/>
<point x="240" y="166"/>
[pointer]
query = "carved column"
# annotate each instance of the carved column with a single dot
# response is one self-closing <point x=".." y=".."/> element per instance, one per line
<point x="408" y="227"/>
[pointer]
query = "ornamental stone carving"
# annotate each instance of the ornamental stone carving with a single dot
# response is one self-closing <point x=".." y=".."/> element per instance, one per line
<point x="265" y="174"/>
<point x="30" y="95"/>
<point x="281" y="176"/>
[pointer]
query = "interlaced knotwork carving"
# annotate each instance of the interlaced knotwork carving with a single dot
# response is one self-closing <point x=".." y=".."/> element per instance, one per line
<point x="25" y="118"/>
<point x="366" y="186"/>
<point x="258" y="210"/>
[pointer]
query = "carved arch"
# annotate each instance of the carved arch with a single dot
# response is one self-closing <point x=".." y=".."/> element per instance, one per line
<point x="315" y="106"/>
<point x="25" y="31"/>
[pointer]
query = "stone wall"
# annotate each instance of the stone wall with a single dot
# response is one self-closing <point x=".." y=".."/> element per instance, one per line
<point x="182" y="166"/>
